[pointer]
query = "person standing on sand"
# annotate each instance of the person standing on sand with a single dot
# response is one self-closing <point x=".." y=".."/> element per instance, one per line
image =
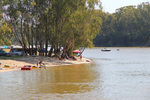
<point x="0" y="67"/>
<point x="80" y="57"/>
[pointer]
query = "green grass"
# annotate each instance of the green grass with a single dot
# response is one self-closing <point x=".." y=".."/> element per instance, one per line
<point x="11" y="57"/>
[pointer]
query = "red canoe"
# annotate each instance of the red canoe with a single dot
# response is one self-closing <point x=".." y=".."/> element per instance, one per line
<point x="26" y="67"/>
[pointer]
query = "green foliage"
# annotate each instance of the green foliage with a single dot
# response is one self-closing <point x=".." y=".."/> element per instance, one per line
<point x="59" y="23"/>
<point x="5" y="34"/>
<point x="129" y="26"/>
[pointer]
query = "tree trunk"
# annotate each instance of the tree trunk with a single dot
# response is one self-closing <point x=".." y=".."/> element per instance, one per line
<point x="46" y="46"/>
<point x="51" y="50"/>
<point x="22" y="36"/>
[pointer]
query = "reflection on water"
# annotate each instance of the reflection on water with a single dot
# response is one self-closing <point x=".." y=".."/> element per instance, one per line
<point x="124" y="73"/>
<point x="115" y="75"/>
<point x="55" y="80"/>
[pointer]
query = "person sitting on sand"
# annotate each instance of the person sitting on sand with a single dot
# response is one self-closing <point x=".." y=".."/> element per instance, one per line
<point x="80" y="57"/>
<point x="60" y="57"/>
<point x="41" y="64"/>
<point x="72" y="57"/>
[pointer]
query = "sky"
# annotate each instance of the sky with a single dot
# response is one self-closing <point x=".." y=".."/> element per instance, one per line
<point x="111" y="6"/>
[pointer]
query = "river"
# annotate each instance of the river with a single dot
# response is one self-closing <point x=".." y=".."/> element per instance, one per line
<point x="122" y="74"/>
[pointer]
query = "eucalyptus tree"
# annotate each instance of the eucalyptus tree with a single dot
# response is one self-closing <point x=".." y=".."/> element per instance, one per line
<point x="129" y="26"/>
<point x="5" y="32"/>
<point x="59" y="23"/>
<point x="14" y="13"/>
<point x="20" y="14"/>
<point x="125" y="24"/>
<point x="82" y="24"/>
<point x="143" y="22"/>
<point x="69" y="24"/>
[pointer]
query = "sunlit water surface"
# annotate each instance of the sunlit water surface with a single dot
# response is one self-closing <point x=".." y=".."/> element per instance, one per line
<point x="114" y="75"/>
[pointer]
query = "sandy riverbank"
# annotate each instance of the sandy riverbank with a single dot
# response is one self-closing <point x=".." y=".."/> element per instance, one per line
<point x="17" y="63"/>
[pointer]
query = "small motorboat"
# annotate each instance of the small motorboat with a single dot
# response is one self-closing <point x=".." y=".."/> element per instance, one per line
<point x="105" y="50"/>
<point x="26" y="67"/>
<point x="88" y="60"/>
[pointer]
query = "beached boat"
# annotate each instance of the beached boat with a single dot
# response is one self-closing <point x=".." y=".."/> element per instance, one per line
<point x="26" y="67"/>
<point x="34" y="67"/>
<point x="6" y="66"/>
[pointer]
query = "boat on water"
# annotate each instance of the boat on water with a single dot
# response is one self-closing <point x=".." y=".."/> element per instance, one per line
<point x="88" y="60"/>
<point x="26" y="67"/>
<point x="105" y="50"/>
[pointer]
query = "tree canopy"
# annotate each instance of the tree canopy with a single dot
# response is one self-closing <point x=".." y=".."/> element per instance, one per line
<point x="66" y="24"/>
<point x="128" y="26"/>
<point x="5" y="32"/>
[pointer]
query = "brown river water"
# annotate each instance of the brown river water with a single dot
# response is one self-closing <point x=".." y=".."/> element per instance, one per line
<point x="122" y="74"/>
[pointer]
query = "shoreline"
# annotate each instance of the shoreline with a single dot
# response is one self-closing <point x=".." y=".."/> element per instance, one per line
<point x="17" y="63"/>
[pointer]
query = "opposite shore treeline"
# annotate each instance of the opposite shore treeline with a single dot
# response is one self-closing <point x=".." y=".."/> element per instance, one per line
<point x="62" y="24"/>
<point x="128" y="26"/>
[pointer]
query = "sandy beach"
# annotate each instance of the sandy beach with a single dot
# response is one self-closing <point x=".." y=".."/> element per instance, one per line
<point x="17" y="63"/>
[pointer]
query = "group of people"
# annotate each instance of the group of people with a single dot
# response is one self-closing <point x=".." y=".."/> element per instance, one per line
<point x="64" y="57"/>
